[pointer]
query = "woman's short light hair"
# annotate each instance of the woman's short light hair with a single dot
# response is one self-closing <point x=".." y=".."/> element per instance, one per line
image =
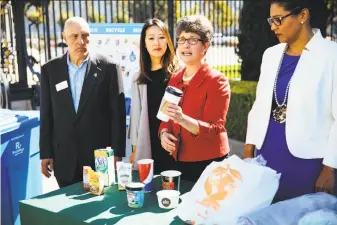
<point x="197" y="24"/>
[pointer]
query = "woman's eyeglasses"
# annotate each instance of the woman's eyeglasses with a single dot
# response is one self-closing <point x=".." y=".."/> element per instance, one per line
<point x="191" y="41"/>
<point x="278" y="20"/>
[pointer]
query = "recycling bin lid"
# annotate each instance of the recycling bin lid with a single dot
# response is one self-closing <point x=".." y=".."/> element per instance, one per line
<point x="10" y="119"/>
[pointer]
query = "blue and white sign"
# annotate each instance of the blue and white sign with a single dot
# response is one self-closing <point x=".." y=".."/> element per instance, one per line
<point x="116" y="28"/>
<point x="120" y="42"/>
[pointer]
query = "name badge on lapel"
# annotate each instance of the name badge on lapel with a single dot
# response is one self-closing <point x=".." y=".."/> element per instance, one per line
<point x="62" y="85"/>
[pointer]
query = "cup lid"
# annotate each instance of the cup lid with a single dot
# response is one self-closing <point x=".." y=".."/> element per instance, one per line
<point x="174" y="91"/>
<point x="145" y="161"/>
<point x="170" y="173"/>
<point x="135" y="186"/>
<point x="168" y="193"/>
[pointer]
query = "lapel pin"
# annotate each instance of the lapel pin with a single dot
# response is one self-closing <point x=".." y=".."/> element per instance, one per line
<point x="95" y="74"/>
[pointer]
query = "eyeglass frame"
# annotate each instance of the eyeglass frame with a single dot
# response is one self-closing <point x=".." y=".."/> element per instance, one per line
<point x="188" y="41"/>
<point x="281" y="18"/>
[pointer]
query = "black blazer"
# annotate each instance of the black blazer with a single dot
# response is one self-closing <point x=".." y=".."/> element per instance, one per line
<point x="70" y="138"/>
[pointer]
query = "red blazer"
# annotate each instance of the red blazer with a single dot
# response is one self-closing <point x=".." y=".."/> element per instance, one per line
<point x="205" y="99"/>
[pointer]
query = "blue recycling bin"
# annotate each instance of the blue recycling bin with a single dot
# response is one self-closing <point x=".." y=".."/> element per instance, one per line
<point x="20" y="161"/>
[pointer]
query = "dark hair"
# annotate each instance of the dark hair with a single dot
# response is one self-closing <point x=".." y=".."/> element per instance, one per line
<point x="317" y="9"/>
<point x="196" y="24"/>
<point x="169" y="62"/>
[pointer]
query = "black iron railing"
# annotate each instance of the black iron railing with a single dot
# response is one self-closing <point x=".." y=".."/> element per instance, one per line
<point x="44" y="19"/>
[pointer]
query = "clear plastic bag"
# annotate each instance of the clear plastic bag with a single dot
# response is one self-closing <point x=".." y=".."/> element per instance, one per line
<point x="258" y="160"/>
<point x="290" y="211"/>
<point x="319" y="217"/>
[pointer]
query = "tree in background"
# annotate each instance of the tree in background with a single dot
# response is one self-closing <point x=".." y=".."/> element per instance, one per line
<point x="256" y="36"/>
<point x="96" y="18"/>
<point x="139" y="10"/>
<point x="160" y="12"/>
<point x="222" y="14"/>
<point x="62" y="19"/>
<point x="121" y="15"/>
<point x="33" y="12"/>
<point x="218" y="12"/>
<point x="178" y="12"/>
<point x="332" y="24"/>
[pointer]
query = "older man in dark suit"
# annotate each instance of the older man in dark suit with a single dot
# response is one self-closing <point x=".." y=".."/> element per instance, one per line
<point x="82" y="107"/>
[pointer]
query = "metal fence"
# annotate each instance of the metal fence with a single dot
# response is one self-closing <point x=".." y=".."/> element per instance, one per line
<point x="43" y="23"/>
<point x="38" y="33"/>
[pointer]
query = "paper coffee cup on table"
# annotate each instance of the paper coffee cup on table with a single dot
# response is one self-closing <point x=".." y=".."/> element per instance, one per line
<point x="168" y="199"/>
<point x="170" y="180"/>
<point x="172" y="95"/>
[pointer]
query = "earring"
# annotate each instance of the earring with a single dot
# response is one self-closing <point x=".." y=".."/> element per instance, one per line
<point x="302" y="22"/>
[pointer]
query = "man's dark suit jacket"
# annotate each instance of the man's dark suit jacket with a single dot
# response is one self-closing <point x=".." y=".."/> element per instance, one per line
<point x="70" y="138"/>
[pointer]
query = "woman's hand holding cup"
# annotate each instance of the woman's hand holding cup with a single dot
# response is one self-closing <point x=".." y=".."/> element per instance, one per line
<point x="171" y="97"/>
<point x="174" y="112"/>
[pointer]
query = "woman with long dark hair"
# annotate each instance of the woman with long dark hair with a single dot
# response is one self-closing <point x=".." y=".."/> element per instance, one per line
<point x="157" y="62"/>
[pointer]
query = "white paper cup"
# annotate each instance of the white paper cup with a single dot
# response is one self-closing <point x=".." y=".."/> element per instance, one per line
<point x="168" y="199"/>
<point x="172" y="95"/>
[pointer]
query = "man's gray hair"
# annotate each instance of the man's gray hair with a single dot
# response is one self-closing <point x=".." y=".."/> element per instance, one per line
<point x="75" y="19"/>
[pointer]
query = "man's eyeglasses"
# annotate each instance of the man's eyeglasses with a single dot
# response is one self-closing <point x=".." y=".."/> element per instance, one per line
<point x="278" y="20"/>
<point x="191" y="41"/>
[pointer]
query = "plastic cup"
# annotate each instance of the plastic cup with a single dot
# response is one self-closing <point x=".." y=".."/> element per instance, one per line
<point x="145" y="168"/>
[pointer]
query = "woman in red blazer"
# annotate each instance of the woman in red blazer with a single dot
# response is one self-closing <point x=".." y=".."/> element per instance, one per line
<point x="195" y="135"/>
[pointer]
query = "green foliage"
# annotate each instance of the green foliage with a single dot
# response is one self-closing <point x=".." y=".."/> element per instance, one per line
<point x="120" y="19"/>
<point x="161" y="10"/>
<point x="123" y="15"/>
<point x="34" y="14"/>
<point x="177" y="11"/>
<point x="222" y="15"/>
<point x="231" y="71"/>
<point x="93" y="15"/>
<point x="96" y="18"/>
<point x="37" y="3"/>
<point x="218" y="12"/>
<point x="63" y="18"/>
<point x="192" y="11"/>
<point x="140" y="10"/>
<point x="242" y="99"/>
